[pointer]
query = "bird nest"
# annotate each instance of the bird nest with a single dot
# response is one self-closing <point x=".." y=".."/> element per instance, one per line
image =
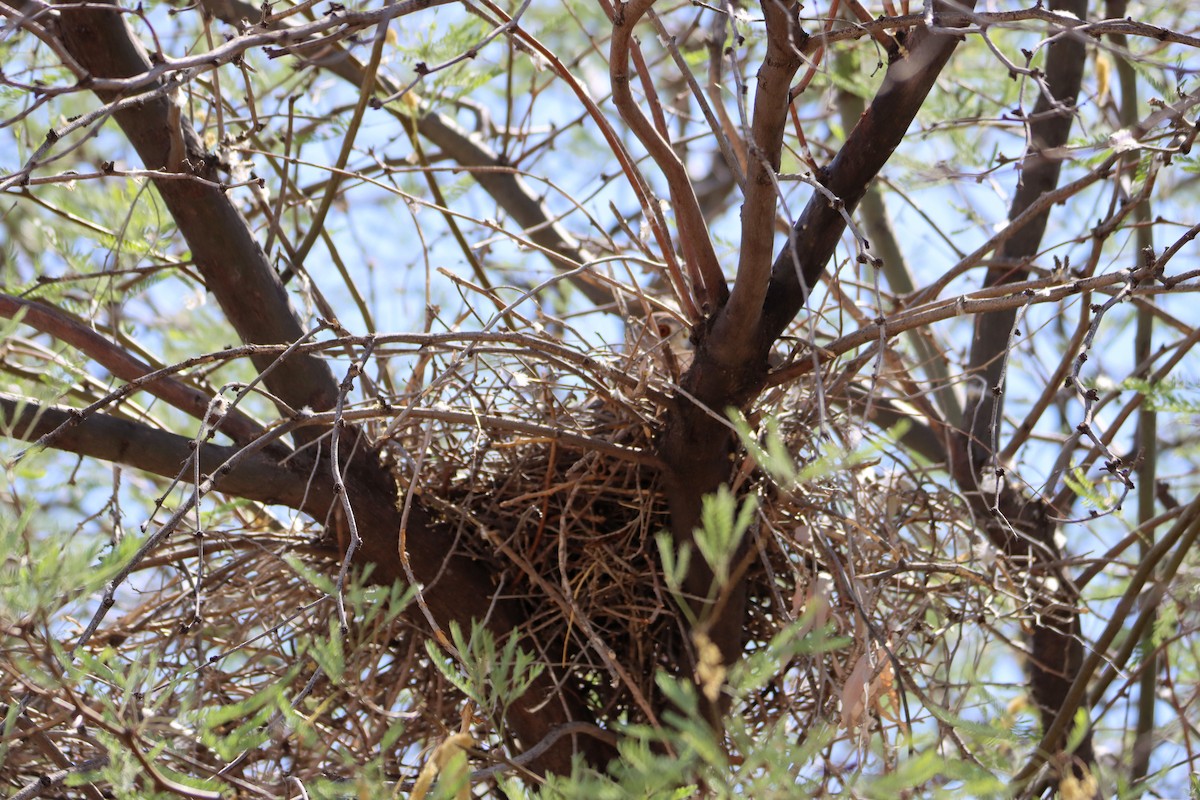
<point x="226" y="647"/>
<point x="570" y="523"/>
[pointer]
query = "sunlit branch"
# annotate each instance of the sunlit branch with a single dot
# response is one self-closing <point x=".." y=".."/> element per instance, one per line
<point x="122" y="364"/>
<point x="98" y="435"/>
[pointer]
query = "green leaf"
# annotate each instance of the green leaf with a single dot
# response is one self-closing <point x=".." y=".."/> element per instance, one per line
<point x="329" y="653"/>
<point x="674" y="565"/>
<point x="722" y="526"/>
<point x="318" y="580"/>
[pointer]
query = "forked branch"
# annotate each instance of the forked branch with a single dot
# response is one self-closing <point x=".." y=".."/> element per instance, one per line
<point x="701" y="259"/>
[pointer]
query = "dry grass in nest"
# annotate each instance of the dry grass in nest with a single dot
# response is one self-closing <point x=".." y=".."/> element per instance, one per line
<point x="573" y="535"/>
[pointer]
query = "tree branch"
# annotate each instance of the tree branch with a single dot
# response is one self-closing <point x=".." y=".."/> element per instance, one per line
<point x="123" y="365"/>
<point x="1019" y="525"/>
<point x="696" y="443"/>
<point x="256" y="477"/>
<point x="236" y="270"/>
<point x="1052" y="116"/>
<point x="234" y="267"/>
<point x="878" y="228"/>
<point x="738" y="322"/>
<point x="814" y="236"/>
<point x="699" y="256"/>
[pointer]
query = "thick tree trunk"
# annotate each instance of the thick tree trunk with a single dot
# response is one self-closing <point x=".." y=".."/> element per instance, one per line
<point x="730" y="366"/>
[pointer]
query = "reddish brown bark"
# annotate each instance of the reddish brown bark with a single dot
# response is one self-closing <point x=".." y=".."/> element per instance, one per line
<point x="730" y="366"/>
